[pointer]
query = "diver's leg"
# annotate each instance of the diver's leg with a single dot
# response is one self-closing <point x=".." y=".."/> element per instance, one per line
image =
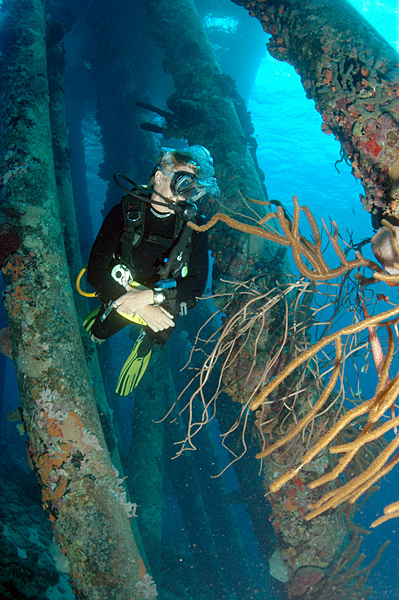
<point x="107" y="322"/>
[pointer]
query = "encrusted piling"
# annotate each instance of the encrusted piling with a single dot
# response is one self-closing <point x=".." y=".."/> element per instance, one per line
<point x="81" y="492"/>
<point x="352" y="73"/>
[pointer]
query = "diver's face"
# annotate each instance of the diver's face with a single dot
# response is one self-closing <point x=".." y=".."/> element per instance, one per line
<point x="163" y="189"/>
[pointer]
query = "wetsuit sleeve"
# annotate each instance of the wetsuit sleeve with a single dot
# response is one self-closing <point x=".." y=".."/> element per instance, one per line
<point x="102" y="254"/>
<point x="190" y="288"/>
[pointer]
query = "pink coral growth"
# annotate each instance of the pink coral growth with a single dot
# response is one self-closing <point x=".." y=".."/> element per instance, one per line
<point x="130" y="508"/>
<point x="5" y="342"/>
<point x="89" y="439"/>
<point x="146" y="587"/>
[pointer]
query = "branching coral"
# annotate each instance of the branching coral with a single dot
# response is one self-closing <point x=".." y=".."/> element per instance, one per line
<point x="308" y="255"/>
<point x="238" y="343"/>
<point x="385" y="396"/>
<point x="310" y="261"/>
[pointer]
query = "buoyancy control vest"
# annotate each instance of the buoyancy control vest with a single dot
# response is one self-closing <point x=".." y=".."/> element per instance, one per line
<point x="176" y="261"/>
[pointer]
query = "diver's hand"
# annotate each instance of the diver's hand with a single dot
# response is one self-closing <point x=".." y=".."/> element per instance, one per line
<point x="156" y="317"/>
<point x="134" y="301"/>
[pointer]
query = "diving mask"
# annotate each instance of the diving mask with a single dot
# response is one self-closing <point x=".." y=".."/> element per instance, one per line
<point x="186" y="185"/>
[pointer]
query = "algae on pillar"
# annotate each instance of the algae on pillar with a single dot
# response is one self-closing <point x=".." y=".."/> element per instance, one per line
<point x="81" y="492"/>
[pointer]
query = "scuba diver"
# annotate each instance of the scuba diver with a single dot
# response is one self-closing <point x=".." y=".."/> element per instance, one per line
<point x="147" y="265"/>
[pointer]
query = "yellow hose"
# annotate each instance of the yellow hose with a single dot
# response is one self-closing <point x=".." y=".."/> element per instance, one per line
<point x="81" y="292"/>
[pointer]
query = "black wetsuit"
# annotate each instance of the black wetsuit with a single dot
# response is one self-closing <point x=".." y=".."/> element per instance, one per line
<point x="145" y="261"/>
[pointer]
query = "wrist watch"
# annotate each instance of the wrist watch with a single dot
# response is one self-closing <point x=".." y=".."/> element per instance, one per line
<point x="165" y="288"/>
<point x="159" y="297"/>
